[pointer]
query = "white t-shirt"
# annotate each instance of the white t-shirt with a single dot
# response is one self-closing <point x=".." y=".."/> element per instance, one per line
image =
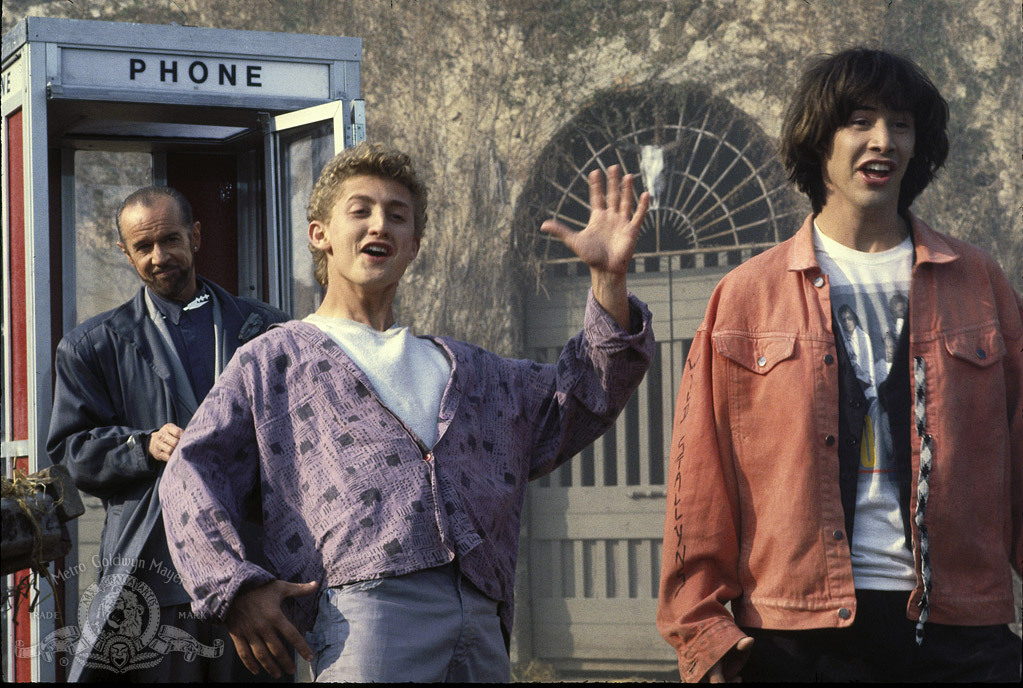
<point x="408" y="373"/>
<point x="870" y="296"/>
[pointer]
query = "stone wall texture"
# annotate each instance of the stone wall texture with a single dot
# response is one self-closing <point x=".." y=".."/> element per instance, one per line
<point x="475" y="89"/>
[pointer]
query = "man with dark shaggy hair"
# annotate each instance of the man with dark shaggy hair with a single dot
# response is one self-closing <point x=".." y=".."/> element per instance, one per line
<point x="847" y="466"/>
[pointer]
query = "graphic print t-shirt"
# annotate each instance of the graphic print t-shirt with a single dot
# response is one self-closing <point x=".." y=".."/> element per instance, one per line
<point x="870" y="299"/>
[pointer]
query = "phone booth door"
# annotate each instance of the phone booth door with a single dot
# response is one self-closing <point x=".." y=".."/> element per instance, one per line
<point x="240" y="122"/>
<point x="298" y="145"/>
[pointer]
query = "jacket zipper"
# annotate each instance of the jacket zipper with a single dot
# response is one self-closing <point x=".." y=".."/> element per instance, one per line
<point x="428" y="459"/>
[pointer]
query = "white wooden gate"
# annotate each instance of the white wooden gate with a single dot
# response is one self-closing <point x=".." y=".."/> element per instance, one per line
<point x="595" y="524"/>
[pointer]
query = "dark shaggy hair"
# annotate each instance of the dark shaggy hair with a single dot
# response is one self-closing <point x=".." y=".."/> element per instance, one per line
<point x="835" y="85"/>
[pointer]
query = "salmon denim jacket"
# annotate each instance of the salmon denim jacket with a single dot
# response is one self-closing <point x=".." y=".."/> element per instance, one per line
<point x="754" y="514"/>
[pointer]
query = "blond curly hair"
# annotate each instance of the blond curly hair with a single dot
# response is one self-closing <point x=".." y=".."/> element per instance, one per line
<point x="372" y="159"/>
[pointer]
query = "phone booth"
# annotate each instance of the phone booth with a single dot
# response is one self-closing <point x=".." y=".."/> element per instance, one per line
<point x="241" y="122"/>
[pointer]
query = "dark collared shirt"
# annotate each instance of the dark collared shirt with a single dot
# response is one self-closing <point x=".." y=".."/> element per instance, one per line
<point x="191" y="327"/>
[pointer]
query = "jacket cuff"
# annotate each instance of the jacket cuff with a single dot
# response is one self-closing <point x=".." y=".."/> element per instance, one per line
<point x="213" y="605"/>
<point x="707" y="649"/>
<point x="140" y="458"/>
<point x="601" y="323"/>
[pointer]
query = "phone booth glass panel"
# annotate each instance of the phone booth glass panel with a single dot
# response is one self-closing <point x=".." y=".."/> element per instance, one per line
<point x="302" y="159"/>
<point x="103" y="278"/>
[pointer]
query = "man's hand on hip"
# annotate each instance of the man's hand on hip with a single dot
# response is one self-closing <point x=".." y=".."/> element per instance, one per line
<point x="261" y="633"/>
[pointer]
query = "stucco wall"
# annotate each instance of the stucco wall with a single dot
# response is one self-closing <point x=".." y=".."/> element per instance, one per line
<point x="476" y="88"/>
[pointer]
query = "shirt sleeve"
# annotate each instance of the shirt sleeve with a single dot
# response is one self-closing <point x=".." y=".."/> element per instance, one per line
<point x="699" y="565"/>
<point x="576" y="401"/>
<point x="207" y="491"/>
<point x="88" y="431"/>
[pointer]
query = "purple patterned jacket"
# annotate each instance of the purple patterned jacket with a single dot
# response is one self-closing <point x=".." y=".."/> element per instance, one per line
<point x="293" y="431"/>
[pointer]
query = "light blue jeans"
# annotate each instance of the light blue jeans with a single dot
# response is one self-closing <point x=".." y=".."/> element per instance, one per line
<point x="428" y="626"/>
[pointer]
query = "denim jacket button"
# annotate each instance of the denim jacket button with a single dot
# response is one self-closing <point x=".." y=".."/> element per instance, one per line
<point x="844" y="613"/>
<point x="819" y="282"/>
<point x="837" y="535"/>
<point x="828" y="359"/>
<point x="829" y="440"/>
<point x="762" y="361"/>
<point x="981" y="354"/>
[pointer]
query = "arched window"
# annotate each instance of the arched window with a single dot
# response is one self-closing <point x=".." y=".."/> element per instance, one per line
<point x="714" y="177"/>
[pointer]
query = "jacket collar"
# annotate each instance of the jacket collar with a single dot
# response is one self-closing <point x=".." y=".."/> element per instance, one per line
<point x="127" y="318"/>
<point x="453" y="392"/>
<point x="802" y="257"/>
<point x="929" y="246"/>
<point x="131" y="322"/>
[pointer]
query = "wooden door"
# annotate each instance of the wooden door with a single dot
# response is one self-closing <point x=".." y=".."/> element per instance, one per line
<point x="210" y="183"/>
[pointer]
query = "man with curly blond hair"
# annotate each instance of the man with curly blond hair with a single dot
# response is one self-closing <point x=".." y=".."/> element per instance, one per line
<point x="362" y="160"/>
<point x="390" y="469"/>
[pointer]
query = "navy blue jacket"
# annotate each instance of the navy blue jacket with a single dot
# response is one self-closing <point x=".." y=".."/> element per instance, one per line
<point x="114" y="387"/>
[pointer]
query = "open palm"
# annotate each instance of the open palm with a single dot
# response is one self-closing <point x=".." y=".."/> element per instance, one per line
<point x="607" y="242"/>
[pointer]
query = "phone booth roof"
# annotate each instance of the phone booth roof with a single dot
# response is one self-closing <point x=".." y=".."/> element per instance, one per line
<point x="184" y="65"/>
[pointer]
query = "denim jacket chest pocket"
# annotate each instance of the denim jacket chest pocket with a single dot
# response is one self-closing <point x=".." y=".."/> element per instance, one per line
<point x="756" y="353"/>
<point x="982" y="346"/>
<point x="768" y="387"/>
<point x="969" y="382"/>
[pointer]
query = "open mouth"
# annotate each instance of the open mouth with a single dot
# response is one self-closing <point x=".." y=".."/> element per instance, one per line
<point x="877" y="170"/>
<point x="377" y="250"/>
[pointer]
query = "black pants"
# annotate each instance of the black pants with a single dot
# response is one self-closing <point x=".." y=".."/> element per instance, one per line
<point x="881" y="646"/>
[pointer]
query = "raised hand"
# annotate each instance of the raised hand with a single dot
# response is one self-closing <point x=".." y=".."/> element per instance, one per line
<point x="260" y="631"/>
<point x="607" y="242"/>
